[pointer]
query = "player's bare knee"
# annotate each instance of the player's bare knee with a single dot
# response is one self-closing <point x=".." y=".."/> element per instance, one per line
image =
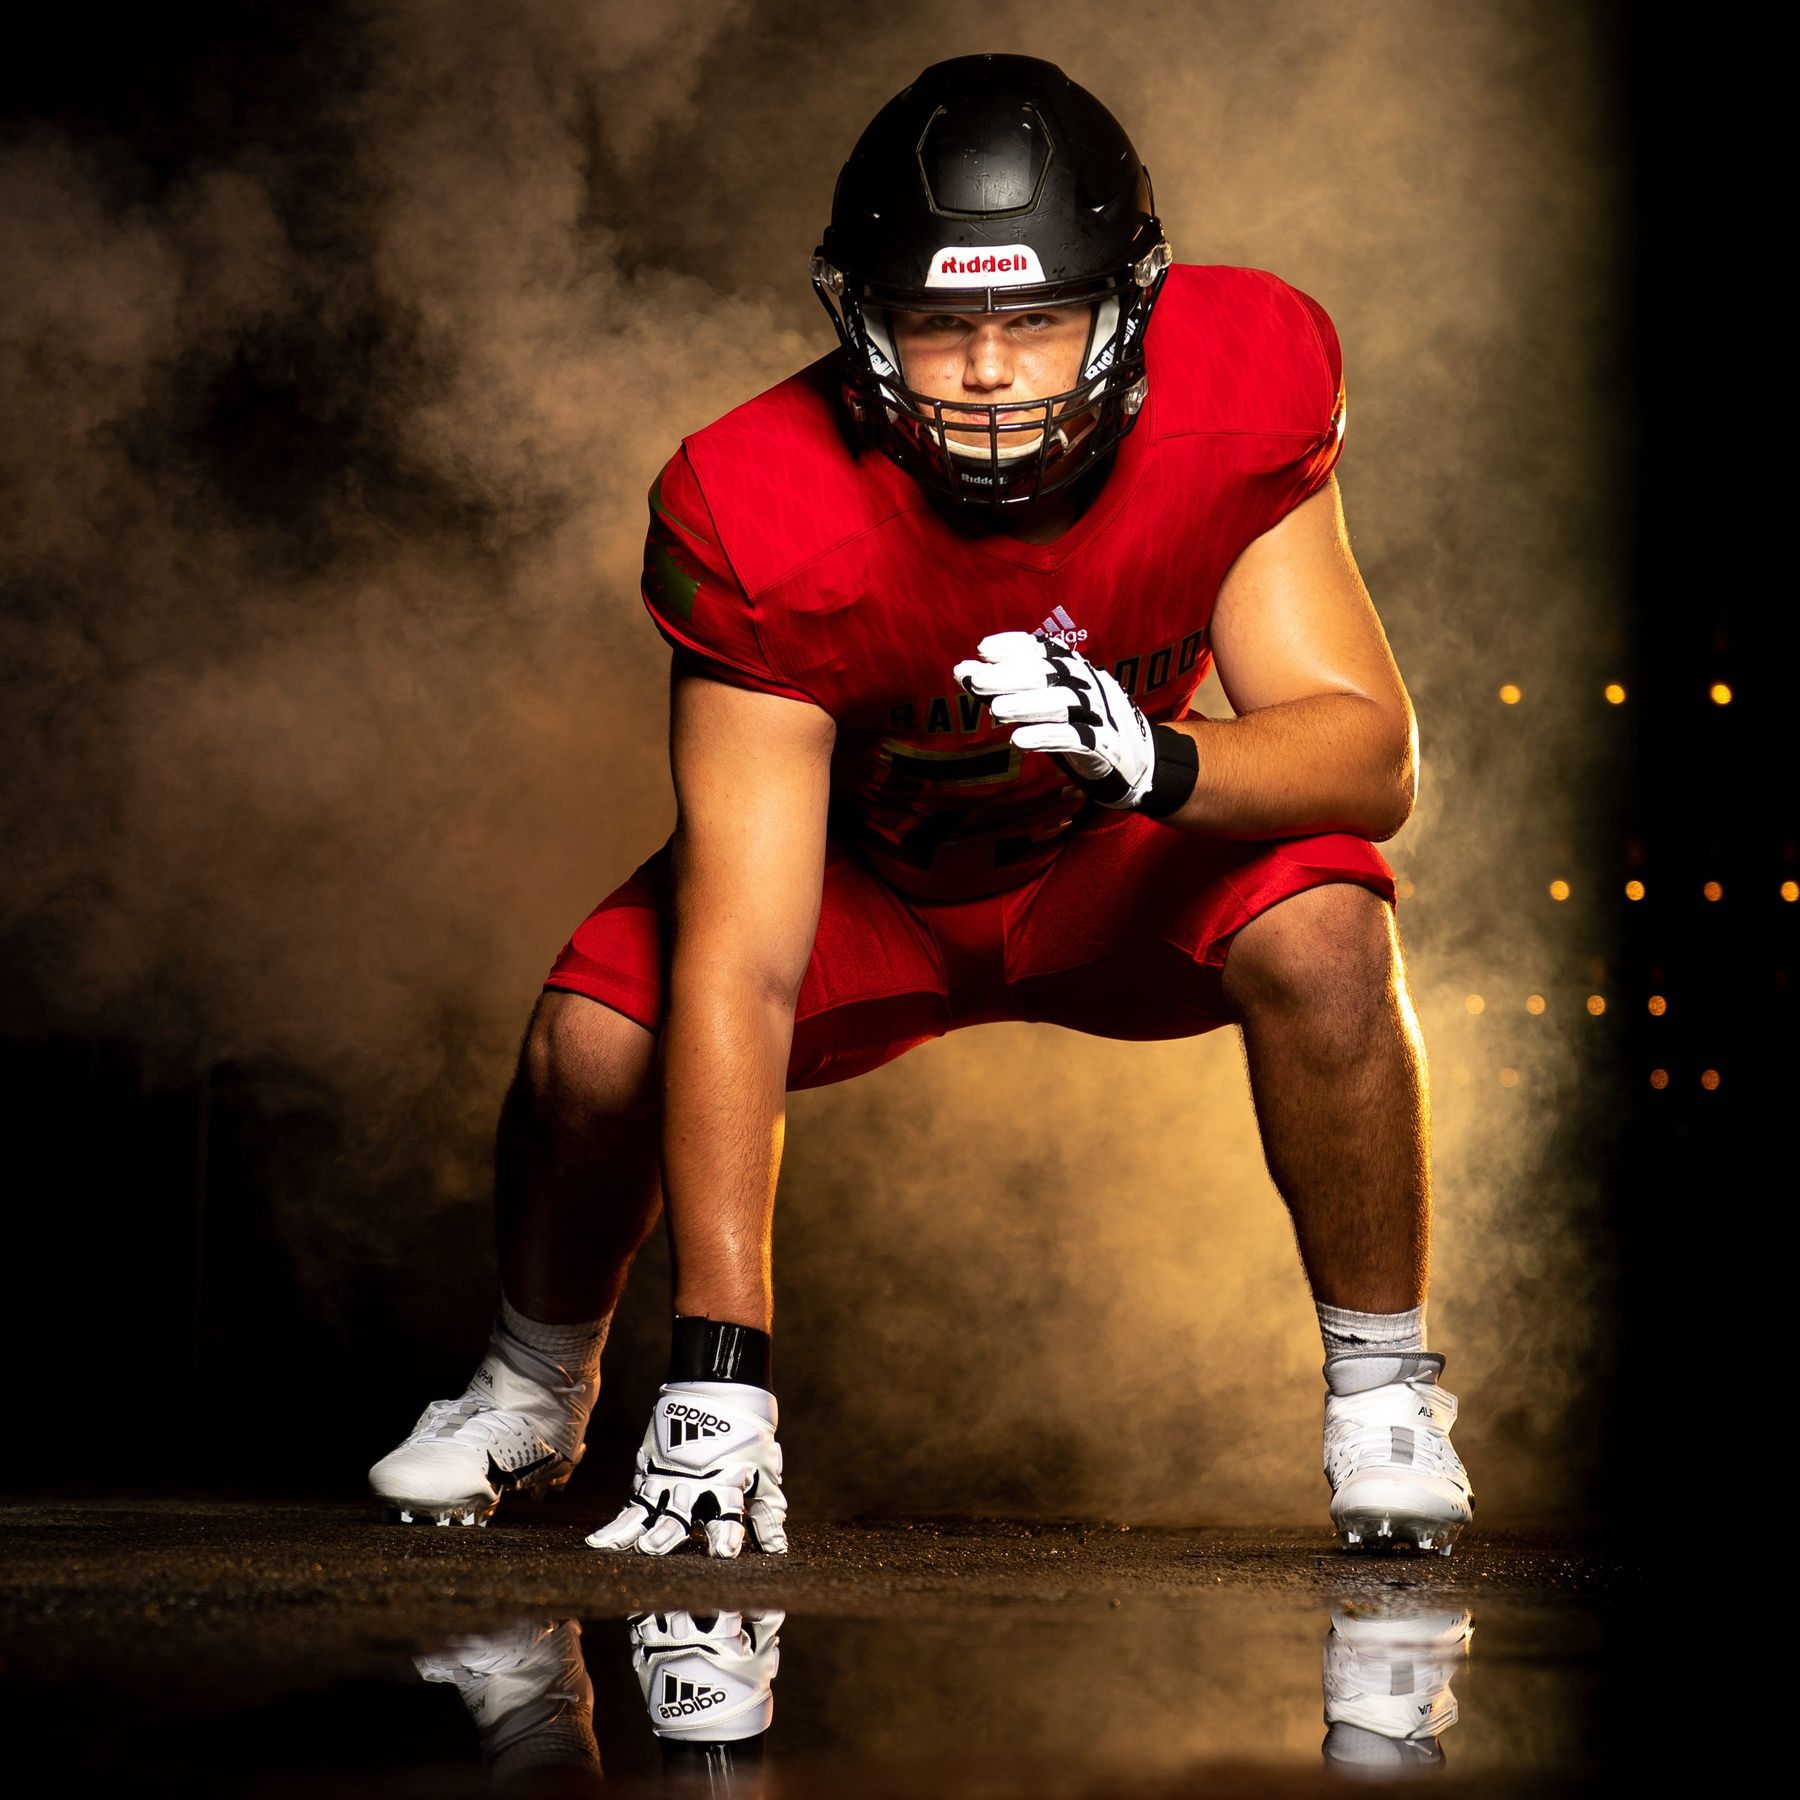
<point x="581" y="1058"/>
<point x="1328" y="949"/>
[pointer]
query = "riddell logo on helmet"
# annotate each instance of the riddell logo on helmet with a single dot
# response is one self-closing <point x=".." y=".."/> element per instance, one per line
<point x="1005" y="265"/>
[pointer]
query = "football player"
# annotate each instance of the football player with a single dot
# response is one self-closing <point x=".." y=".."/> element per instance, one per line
<point x="939" y="605"/>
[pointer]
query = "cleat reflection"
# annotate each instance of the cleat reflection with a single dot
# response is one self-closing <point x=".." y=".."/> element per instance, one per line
<point x="1387" y="1682"/>
<point x="527" y="1689"/>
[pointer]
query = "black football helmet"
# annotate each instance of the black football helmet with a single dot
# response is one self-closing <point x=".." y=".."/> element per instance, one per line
<point x="993" y="184"/>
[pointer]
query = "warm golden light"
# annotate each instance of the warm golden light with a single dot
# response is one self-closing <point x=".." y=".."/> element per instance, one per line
<point x="1615" y="693"/>
<point x="1534" y="1003"/>
<point x="1658" y="1006"/>
<point x="1790" y="890"/>
<point x="1596" y="1004"/>
<point x="1403" y="888"/>
<point x="1509" y="1077"/>
<point x="1559" y="890"/>
<point x="1721" y="694"/>
<point x="1510" y="694"/>
<point x="1713" y="891"/>
<point x="1709" y="1079"/>
<point x="1659" y="1078"/>
<point x="1634" y="890"/>
<point x="1475" y="1003"/>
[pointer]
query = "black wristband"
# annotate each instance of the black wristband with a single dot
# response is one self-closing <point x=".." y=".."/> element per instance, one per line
<point x="1177" y="769"/>
<point x="712" y="1350"/>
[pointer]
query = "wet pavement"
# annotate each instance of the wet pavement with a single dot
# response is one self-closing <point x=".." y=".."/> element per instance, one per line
<point x="249" y="1647"/>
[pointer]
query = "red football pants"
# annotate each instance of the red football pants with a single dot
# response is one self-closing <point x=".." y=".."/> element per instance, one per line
<point x="1124" y="935"/>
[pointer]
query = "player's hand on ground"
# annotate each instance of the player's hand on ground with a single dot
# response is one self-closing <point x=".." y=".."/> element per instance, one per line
<point x="1063" y="704"/>
<point x="709" y="1460"/>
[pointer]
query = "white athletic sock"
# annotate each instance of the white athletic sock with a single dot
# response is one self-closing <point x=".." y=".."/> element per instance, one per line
<point x="1344" y="1330"/>
<point x="575" y="1348"/>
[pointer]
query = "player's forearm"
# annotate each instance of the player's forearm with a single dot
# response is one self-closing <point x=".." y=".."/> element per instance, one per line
<point x="1329" y="762"/>
<point x="724" y="1053"/>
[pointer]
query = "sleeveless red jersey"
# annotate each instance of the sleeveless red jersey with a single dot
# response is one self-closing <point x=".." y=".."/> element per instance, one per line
<point x="793" y="559"/>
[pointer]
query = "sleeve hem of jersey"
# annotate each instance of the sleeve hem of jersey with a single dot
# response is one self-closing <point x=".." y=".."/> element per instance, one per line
<point x="744" y="677"/>
<point x="1329" y="441"/>
<point x="751" y="600"/>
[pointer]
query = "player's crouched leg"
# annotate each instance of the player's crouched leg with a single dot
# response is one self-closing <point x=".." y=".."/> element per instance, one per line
<point x="1328" y="951"/>
<point x="576" y="1193"/>
<point x="1337" y="1068"/>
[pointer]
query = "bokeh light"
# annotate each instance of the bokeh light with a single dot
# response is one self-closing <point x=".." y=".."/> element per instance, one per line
<point x="1709" y="1079"/>
<point x="1659" y="1078"/>
<point x="1534" y="1003"/>
<point x="1790" y="890"/>
<point x="1615" y="693"/>
<point x="1634" y="890"/>
<point x="1713" y="891"/>
<point x="1510" y="694"/>
<point x="1596" y="1004"/>
<point x="1559" y="890"/>
<point x="1658" y="1006"/>
<point x="1509" y="1077"/>
<point x="1475" y="1003"/>
<point x="1721" y="694"/>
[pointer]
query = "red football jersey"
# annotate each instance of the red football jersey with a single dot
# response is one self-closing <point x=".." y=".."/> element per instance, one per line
<point x="796" y="560"/>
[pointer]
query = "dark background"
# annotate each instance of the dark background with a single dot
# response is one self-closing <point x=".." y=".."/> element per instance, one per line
<point x="158" y="1214"/>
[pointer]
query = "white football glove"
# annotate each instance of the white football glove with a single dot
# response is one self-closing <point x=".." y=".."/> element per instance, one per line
<point x="1063" y="704"/>
<point x="709" y="1458"/>
<point x="707" y="1685"/>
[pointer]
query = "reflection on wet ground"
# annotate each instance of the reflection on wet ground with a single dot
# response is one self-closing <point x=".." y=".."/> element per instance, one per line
<point x="1217" y="1662"/>
<point x="708" y="1684"/>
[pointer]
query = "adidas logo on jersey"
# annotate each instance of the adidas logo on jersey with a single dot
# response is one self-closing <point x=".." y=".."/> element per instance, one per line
<point x="1059" y="628"/>
<point x="686" y="1423"/>
<point x="681" y="1699"/>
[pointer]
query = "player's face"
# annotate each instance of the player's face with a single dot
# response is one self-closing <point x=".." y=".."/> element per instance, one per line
<point x="992" y="359"/>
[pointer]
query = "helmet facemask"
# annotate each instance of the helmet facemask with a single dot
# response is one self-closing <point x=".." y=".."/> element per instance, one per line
<point x="1023" y="450"/>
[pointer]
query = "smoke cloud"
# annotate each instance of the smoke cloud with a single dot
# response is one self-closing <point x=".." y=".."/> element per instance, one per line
<point x="331" y="707"/>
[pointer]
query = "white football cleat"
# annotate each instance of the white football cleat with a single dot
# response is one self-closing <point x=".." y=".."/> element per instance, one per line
<point x="517" y="1428"/>
<point x="707" y="1684"/>
<point x="1387" y="1686"/>
<point x="709" y="1459"/>
<point x="527" y="1689"/>
<point x="1394" y="1476"/>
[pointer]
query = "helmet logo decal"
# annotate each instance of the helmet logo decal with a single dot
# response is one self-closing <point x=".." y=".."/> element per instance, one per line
<point x="1005" y="265"/>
